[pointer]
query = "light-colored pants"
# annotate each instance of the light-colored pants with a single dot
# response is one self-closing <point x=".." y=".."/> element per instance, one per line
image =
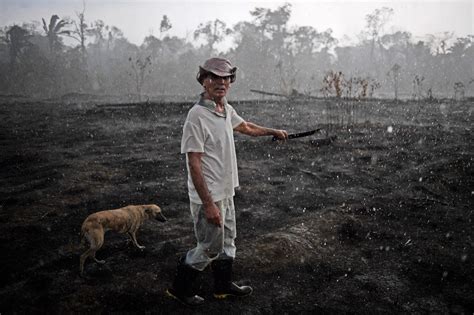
<point x="213" y="242"/>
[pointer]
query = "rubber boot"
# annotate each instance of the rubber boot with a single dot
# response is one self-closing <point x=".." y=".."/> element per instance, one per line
<point x="182" y="285"/>
<point x="223" y="285"/>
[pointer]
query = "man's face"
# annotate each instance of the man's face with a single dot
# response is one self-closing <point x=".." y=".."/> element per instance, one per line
<point x="215" y="86"/>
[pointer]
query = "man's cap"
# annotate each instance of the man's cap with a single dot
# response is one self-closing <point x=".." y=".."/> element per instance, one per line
<point x="219" y="66"/>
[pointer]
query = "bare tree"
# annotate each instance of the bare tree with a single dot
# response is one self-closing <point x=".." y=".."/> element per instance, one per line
<point x="139" y="67"/>
<point x="80" y="29"/>
<point x="373" y="85"/>
<point x="363" y="85"/>
<point x="333" y="83"/>
<point x="348" y="86"/>
<point x="418" y="87"/>
<point x="287" y="78"/>
<point x="394" y="74"/>
<point x="459" y="90"/>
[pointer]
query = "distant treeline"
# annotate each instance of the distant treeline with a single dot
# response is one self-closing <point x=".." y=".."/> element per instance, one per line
<point x="271" y="56"/>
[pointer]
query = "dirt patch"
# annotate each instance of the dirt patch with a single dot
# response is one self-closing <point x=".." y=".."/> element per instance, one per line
<point x="377" y="220"/>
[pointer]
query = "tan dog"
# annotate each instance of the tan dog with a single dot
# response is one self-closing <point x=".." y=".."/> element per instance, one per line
<point x="124" y="220"/>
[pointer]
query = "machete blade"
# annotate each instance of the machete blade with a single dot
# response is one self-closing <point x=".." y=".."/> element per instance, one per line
<point x="299" y="134"/>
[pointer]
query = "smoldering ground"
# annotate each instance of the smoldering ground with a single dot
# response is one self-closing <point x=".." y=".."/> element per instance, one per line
<point x="378" y="220"/>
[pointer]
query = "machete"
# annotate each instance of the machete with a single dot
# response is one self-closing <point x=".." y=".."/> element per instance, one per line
<point x="299" y="134"/>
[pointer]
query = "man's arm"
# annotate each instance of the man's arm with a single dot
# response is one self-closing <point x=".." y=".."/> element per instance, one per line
<point x="195" y="169"/>
<point x="255" y="130"/>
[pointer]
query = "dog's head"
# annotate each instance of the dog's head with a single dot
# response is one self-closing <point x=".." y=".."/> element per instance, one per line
<point x="153" y="211"/>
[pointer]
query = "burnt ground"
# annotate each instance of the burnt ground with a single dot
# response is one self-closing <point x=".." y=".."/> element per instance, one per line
<point x="379" y="220"/>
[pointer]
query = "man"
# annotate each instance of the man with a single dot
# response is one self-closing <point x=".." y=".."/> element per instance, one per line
<point x="208" y="143"/>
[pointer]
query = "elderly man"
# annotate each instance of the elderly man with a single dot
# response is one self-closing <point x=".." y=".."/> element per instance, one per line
<point x="208" y="142"/>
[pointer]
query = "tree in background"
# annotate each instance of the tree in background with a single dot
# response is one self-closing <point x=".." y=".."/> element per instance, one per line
<point x="165" y="25"/>
<point x="459" y="90"/>
<point x="249" y="57"/>
<point x="394" y="74"/>
<point x="375" y="23"/>
<point x="439" y="42"/>
<point x="114" y="36"/>
<point x="272" y="24"/>
<point x="333" y="83"/>
<point x="79" y="58"/>
<point x="213" y="32"/>
<point x="271" y="55"/>
<point x="418" y="87"/>
<point x="155" y="47"/>
<point x="98" y="31"/>
<point x="140" y="68"/>
<point x="310" y="55"/>
<point x="24" y="67"/>
<point x="17" y="39"/>
<point x="17" y="43"/>
<point x="54" y="30"/>
<point x="80" y="29"/>
<point x="305" y="40"/>
<point x="107" y="57"/>
<point x="461" y="60"/>
<point x="273" y="43"/>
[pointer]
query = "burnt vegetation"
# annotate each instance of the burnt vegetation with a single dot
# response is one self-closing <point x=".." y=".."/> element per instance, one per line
<point x="378" y="219"/>
<point x="372" y="214"/>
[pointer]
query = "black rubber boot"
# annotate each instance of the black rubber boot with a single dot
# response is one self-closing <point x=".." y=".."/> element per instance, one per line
<point x="182" y="285"/>
<point x="223" y="285"/>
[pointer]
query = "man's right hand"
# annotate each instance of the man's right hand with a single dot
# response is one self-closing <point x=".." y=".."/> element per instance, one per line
<point x="281" y="134"/>
<point x="213" y="214"/>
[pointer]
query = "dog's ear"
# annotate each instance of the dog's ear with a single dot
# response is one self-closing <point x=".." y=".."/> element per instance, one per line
<point x="149" y="211"/>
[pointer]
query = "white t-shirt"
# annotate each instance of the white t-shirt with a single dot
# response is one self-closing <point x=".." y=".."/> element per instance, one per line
<point x="212" y="133"/>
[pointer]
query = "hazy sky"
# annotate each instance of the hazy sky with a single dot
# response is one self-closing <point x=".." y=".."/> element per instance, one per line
<point x="139" y="18"/>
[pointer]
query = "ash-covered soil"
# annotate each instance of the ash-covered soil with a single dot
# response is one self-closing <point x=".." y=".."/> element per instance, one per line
<point x="378" y="220"/>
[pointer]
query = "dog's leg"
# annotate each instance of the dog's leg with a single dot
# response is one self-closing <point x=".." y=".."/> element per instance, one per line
<point x="82" y="260"/>
<point x="96" y="240"/>
<point x="99" y="241"/>
<point x="89" y="253"/>
<point x="134" y="240"/>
